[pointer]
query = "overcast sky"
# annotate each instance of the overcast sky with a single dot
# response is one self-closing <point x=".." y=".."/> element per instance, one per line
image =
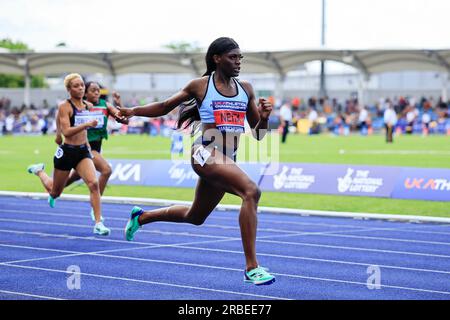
<point x="257" y="25"/>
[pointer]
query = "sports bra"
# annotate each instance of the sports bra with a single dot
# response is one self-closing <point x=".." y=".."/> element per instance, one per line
<point x="227" y="112"/>
<point x="76" y="111"/>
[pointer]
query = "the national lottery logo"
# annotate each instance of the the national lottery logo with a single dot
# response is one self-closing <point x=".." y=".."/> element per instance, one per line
<point x="358" y="181"/>
<point x="292" y="178"/>
<point x="345" y="183"/>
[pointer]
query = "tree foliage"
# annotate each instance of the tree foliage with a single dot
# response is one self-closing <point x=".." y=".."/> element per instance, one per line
<point x="18" y="81"/>
<point x="183" y="47"/>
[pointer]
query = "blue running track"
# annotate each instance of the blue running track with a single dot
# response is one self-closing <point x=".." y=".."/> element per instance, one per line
<point x="311" y="257"/>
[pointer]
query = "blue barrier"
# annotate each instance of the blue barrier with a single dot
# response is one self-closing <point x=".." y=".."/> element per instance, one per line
<point x="352" y="180"/>
<point x="166" y="173"/>
<point x="331" y="179"/>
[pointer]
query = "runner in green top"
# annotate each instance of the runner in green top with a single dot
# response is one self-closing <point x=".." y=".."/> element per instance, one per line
<point x="96" y="135"/>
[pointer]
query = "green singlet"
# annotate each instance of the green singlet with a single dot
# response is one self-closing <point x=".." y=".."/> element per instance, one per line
<point x="100" y="133"/>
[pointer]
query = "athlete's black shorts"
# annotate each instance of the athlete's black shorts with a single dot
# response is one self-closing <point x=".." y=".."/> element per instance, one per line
<point x="229" y="152"/>
<point x="68" y="156"/>
<point x="96" y="145"/>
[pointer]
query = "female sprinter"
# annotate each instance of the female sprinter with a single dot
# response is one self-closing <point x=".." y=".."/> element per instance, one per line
<point x="96" y="135"/>
<point x="221" y="103"/>
<point x="73" y="119"/>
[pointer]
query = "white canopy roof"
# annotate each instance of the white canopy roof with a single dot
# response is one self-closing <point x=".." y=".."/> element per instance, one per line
<point x="279" y="62"/>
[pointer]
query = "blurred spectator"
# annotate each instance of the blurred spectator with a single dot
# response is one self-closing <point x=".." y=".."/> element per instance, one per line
<point x="9" y="124"/>
<point x="285" y="120"/>
<point x="313" y="117"/>
<point x="43" y="124"/>
<point x="411" y="115"/>
<point x="363" y="120"/>
<point x="336" y="106"/>
<point x="338" y="124"/>
<point x="390" y="120"/>
<point x="2" y="123"/>
<point x="426" y="119"/>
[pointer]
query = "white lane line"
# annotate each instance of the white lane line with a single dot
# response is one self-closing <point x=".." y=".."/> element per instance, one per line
<point x="79" y="253"/>
<point x="260" y="219"/>
<point x="148" y="282"/>
<point x="381" y="285"/>
<point x="29" y="295"/>
<point x="131" y="243"/>
<point x="207" y="225"/>
<point x="75" y="253"/>
<point x="188" y="234"/>
<point x="405" y="230"/>
<point x="355" y="248"/>
<point x="210" y="225"/>
<point x="228" y="227"/>
<point x="326" y="234"/>
<point x="34" y="248"/>
<point x="261" y="209"/>
<point x="191" y="247"/>
<point x="183" y="234"/>
<point x="263" y="219"/>
<point x="402" y="229"/>
<point x="314" y="259"/>
<point x="71" y="237"/>
<point x="263" y="237"/>
<point x="113" y="228"/>
<point x="226" y="291"/>
<point x="277" y="274"/>
<point x="331" y="234"/>
<point x="388" y="239"/>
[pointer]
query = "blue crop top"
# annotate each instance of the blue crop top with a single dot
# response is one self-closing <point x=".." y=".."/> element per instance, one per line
<point x="228" y="113"/>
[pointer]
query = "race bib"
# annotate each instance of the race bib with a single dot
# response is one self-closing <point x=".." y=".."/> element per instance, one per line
<point x="229" y="115"/>
<point x="59" y="153"/>
<point x="86" y="116"/>
<point x="201" y="155"/>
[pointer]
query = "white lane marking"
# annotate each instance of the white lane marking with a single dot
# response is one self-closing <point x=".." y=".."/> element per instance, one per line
<point x="209" y="225"/>
<point x="226" y="291"/>
<point x="131" y="243"/>
<point x="190" y="246"/>
<point x="29" y="295"/>
<point x="147" y="282"/>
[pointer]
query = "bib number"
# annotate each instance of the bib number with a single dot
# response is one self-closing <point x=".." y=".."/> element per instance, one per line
<point x="59" y="153"/>
<point x="201" y="155"/>
<point x="84" y="117"/>
<point x="229" y="116"/>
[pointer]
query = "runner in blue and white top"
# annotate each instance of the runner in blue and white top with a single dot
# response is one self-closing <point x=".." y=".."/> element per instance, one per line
<point x="227" y="113"/>
<point x="221" y="104"/>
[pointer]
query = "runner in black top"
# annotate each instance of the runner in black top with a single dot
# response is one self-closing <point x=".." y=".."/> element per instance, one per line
<point x="96" y="135"/>
<point x="72" y="121"/>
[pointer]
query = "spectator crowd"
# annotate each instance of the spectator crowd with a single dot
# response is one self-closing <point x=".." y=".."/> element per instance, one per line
<point x="412" y="116"/>
<point x="41" y="120"/>
<point x="311" y="116"/>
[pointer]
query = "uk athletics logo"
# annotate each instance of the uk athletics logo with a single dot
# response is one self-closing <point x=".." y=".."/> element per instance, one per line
<point x="427" y="184"/>
<point x="229" y="115"/>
